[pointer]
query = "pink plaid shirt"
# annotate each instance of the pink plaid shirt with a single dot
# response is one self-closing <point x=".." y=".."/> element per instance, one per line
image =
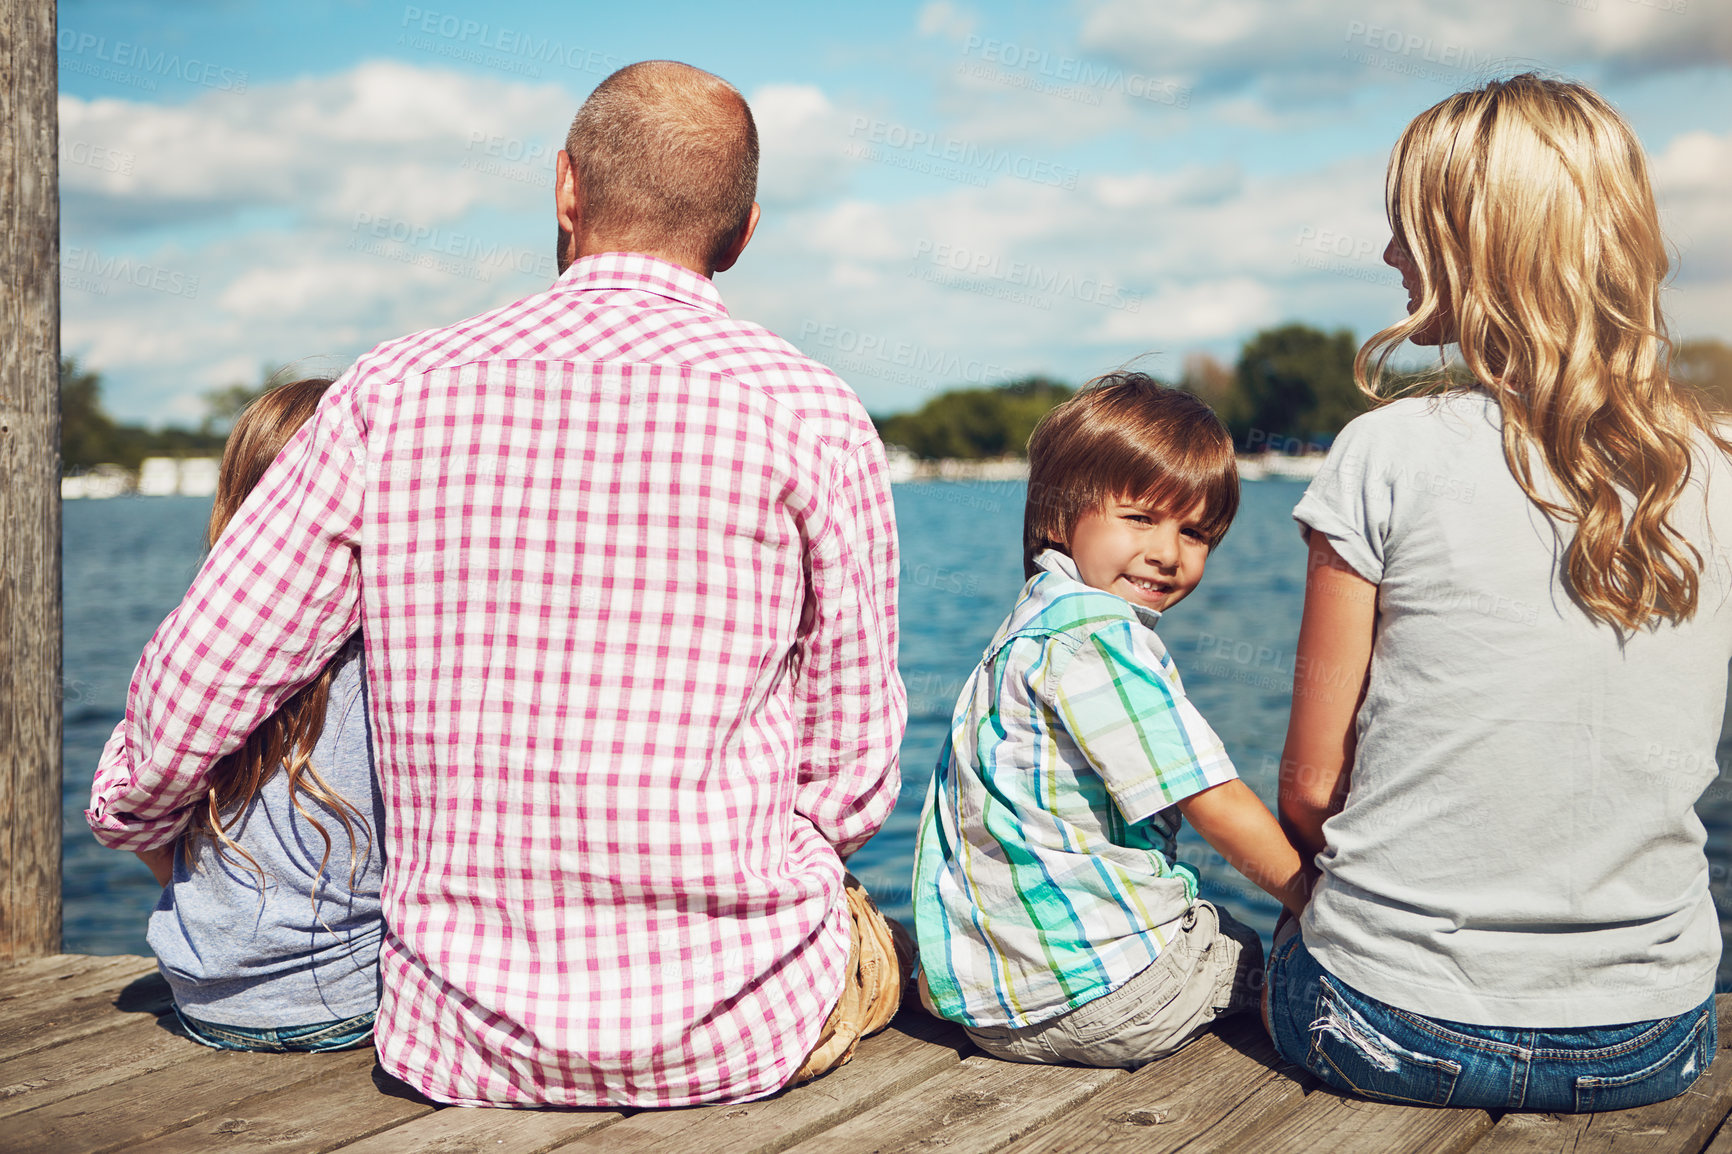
<point x="626" y="572"/>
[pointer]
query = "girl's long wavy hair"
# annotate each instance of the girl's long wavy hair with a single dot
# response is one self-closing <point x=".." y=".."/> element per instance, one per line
<point x="286" y="739"/>
<point x="1526" y="208"/>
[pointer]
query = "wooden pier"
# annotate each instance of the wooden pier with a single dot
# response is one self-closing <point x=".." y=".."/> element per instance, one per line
<point x="90" y="1063"/>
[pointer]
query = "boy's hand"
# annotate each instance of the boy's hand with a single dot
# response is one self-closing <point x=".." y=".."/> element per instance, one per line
<point x="1235" y="821"/>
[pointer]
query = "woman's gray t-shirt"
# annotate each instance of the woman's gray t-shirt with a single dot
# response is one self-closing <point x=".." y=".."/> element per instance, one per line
<point x="1519" y="845"/>
<point x="290" y="959"/>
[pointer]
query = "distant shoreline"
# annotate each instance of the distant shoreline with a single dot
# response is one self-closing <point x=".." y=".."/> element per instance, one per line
<point x="906" y="468"/>
<point x="196" y="476"/>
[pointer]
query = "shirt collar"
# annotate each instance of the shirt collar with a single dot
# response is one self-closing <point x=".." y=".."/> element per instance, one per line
<point x="1054" y="561"/>
<point x="633" y="270"/>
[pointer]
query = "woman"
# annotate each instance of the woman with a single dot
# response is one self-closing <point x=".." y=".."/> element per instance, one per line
<point x="1512" y="664"/>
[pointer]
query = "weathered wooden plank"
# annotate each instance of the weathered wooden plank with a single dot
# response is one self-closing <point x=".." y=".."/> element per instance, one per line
<point x="1534" y="1133"/>
<point x="1284" y="1086"/>
<point x="37" y="987"/>
<point x="1325" y="1122"/>
<point x="980" y="1106"/>
<point x="44" y="990"/>
<point x="327" y="1112"/>
<point x="139" y="1109"/>
<point x="101" y="1006"/>
<point x="1679" y="1126"/>
<point x="1722" y="1142"/>
<point x="136" y="1046"/>
<point x="915" y="1048"/>
<point x="15" y="970"/>
<point x="1226" y="1077"/>
<point x="454" y="1130"/>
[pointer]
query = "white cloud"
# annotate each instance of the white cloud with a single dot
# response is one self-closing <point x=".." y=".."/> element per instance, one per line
<point x="330" y="213"/>
<point x="800" y="135"/>
<point x="1691" y="176"/>
<point x="384" y="137"/>
<point x="1694" y="163"/>
<point x="319" y="216"/>
<point x="1321" y="46"/>
<point x="263" y="299"/>
<point x="1018" y="277"/>
<point x="945" y="20"/>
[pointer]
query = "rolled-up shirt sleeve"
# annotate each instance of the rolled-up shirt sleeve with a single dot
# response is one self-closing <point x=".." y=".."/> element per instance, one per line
<point x="854" y="707"/>
<point x="1130" y="717"/>
<point x="1351" y="498"/>
<point x="277" y="596"/>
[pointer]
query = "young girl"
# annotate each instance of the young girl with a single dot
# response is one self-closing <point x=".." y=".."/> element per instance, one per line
<point x="1523" y="584"/>
<point x="269" y="925"/>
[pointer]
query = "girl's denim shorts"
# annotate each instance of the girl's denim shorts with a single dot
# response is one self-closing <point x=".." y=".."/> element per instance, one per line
<point x="347" y="1034"/>
<point x="1360" y="1045"/>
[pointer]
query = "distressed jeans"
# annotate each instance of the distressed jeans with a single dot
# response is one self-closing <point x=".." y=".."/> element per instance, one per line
<point x="1357" y="1044"/>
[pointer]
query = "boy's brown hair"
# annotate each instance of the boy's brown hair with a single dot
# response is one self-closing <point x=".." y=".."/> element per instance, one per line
<point x="1127" y="436"/>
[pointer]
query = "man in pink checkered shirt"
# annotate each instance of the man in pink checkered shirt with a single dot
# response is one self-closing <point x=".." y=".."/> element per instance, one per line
<point x="626" y="572"/>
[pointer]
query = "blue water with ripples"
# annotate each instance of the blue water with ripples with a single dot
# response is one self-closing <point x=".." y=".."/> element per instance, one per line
<point x="129" y="560"/>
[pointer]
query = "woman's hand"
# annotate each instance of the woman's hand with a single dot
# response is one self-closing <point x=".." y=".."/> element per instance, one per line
<point x="1329" y="679"/>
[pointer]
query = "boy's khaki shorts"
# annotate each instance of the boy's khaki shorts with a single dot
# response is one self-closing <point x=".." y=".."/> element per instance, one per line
<point x="1211" y="969"/>
<point x="880" y="959"/>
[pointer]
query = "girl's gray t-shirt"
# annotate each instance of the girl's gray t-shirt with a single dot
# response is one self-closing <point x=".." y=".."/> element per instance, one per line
<point x="296" y="957"/>
<point x="1519" y="844"/>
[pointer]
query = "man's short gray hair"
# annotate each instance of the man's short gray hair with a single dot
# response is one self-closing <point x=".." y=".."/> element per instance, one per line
<point x="667" y="159"/>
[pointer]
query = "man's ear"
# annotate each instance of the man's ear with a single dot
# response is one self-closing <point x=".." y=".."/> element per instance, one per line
<point x="567" y="208"/>
<point x="738" y="244"/>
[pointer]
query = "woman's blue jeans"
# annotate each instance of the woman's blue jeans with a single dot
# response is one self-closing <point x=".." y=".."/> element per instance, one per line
<point x="1360" y="1045"/>
<point x="347" y="1034"/>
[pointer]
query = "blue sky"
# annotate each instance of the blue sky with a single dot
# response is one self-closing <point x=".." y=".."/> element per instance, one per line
<point x="954" y="193"/>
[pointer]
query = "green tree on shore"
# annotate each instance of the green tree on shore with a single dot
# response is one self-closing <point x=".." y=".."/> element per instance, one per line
<point x="1291" y="385"/>
<point x="1294" y="383"/>
<point x="1706" y="367"/>
<point x="971" y="424"/>
<point x="90" y="437"/>
<point x="1215" y="385"/>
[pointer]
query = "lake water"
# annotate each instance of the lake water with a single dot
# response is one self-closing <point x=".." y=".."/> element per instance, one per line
<point x="129" y="560"/>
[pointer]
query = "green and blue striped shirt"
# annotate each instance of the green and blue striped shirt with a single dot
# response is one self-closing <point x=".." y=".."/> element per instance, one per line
<point x="1044" y="874"/>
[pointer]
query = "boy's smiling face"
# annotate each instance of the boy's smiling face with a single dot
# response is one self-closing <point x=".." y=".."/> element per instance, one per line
<point x="1148" y="556"/>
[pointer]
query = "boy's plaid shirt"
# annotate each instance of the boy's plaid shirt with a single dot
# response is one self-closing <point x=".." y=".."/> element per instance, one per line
<point x="1044" y="874"/>
<point x="626" y="572"/>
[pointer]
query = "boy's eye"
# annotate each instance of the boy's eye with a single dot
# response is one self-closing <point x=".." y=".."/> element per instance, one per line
<point x="1140" y="518"/>
<point x="1195" y="533"/>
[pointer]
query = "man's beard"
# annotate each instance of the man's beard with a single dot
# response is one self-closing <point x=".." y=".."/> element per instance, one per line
<point x="562" y="254"/>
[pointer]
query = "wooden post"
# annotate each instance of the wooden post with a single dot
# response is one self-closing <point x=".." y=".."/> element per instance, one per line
<point x="30" y="716"/>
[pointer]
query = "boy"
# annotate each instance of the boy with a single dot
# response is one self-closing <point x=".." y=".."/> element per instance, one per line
<point x="1053" y="920"/>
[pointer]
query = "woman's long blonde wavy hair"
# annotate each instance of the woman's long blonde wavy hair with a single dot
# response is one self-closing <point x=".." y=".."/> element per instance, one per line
<point x="1526" y="208"/>
<point x="286" y="739"/>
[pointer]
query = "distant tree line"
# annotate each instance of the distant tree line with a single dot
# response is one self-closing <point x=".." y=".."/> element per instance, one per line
<point x="1706" y="366"/>
<point x="90" y="437"/>
<point x="975" y="423"/>
<point x="1290" y="390"/>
